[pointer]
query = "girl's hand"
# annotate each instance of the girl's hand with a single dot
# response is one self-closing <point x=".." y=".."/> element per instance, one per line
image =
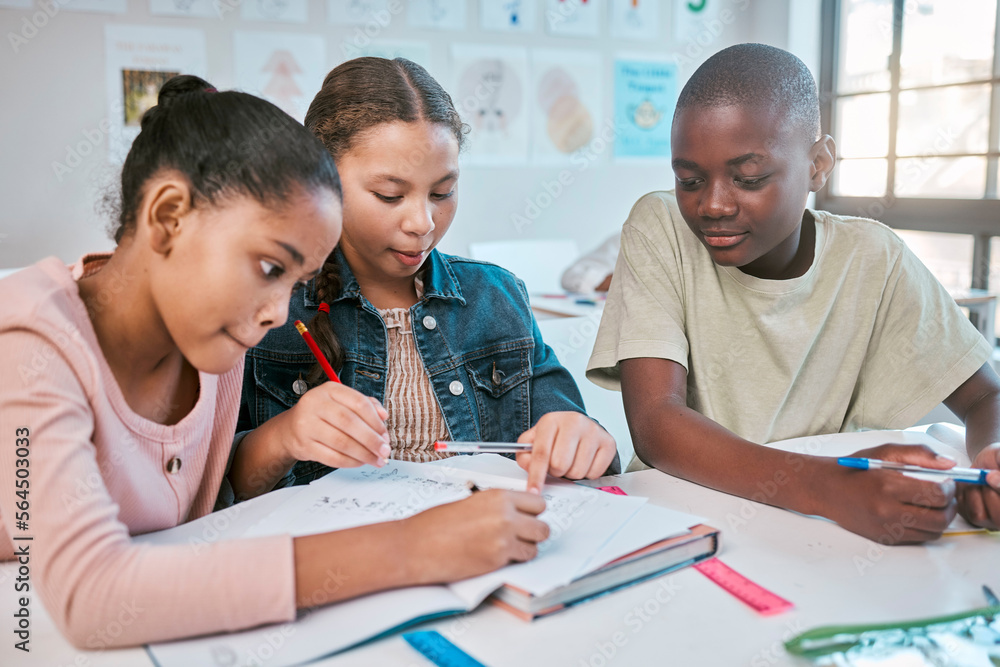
<point x="980" y="505"/>
<point x="337" y="426"/>
<point x="888" y="506"/>
<point x="565" y="444"/>
<point x="473" y="536"/>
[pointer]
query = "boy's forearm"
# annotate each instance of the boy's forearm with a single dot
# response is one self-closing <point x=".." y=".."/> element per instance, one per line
<point x="982" y="424"/>
<point x="684" y="443"/>
<point x="259" y="462"/>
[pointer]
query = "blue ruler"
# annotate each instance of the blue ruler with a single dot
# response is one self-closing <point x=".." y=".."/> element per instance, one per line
<point x="433" y="646"/>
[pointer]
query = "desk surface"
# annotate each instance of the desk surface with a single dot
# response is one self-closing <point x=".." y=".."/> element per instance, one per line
<point x="831" y="576"/>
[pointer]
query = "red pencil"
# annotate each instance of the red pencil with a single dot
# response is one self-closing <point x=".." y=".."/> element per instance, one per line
<point x="330" y="373"/>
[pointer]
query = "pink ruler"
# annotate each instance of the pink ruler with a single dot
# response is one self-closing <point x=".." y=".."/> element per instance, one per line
<point x="754" y="595"/>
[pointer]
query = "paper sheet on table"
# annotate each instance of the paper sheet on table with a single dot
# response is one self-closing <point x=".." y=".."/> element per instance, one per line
<point x="947" y="439"/>
<point x="228" y="524"/>
<point x="315" y="633"/>
<point x="650" y="524"/>
<point x="581" y="520"/>
<point x="588" y="521"/>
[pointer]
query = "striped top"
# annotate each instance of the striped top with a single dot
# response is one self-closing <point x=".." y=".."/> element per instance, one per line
<point x="415" y="420"/>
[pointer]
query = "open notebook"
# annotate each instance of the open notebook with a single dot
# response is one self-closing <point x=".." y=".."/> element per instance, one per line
<point x="586" y="534"/>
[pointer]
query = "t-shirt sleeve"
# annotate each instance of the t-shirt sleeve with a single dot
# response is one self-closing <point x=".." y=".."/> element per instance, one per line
<point x="644" y="312"/>
<point x="87" y="571"/>
<point x="922" y="349"/>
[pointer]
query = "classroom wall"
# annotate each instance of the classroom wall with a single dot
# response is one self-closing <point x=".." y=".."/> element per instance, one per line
<point x="54" y="100"/>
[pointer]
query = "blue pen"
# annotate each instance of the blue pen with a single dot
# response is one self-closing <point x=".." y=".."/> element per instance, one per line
<point x="966" y="475"/>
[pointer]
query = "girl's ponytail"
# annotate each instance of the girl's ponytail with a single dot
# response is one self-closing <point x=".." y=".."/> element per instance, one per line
<point x="327" y="288"/>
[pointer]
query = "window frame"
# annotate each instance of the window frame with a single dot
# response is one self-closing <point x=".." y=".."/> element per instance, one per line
<point x="978" y="217"/>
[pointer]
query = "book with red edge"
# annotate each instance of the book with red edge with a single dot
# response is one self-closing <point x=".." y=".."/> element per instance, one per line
<point x="668" y="555"/>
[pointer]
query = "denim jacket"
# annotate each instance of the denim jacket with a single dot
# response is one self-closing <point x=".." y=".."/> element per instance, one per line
<point x="491" y="373"/>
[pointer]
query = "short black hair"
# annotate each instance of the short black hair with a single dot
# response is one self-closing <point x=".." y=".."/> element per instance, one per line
<point x="756" y="76"/>
<point x="225" y="144"/>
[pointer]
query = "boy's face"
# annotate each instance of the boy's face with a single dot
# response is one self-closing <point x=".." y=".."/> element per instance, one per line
<point x="743" y="176"/>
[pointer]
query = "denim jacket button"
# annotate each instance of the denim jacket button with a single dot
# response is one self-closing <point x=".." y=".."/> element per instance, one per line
<point x="431" y="323"/>
<point x="456" y="388"/>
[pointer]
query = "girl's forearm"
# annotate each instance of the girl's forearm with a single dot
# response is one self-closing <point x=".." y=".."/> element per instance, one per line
<point x="338" y="566"/>
<point x="260" y="460"/>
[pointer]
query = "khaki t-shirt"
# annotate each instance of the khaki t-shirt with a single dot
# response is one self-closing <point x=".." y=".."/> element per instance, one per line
<point x="865" y="339"/>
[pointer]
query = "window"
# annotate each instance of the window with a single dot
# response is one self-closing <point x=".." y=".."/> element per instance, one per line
<point x="911" y="93"/>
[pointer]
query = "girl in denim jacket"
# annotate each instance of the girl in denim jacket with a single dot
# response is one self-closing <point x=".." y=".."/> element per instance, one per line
<point x="447" y="344"/>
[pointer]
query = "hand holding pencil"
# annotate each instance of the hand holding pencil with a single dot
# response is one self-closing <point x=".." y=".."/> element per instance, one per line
<point x="334" y="424"/>
<point x="980" y="504"/>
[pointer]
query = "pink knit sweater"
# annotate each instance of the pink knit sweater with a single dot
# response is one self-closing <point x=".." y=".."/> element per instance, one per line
<point x="98" y="473"/>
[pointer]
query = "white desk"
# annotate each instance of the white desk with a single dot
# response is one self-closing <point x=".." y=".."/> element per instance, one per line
<point x="982" y="309"/>
<point x="832" y="576"/>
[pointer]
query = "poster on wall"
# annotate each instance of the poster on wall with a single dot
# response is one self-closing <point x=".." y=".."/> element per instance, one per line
<point x="376" y="14"/>
<point x="574" y="18"/>
<point x="139" y="59"/>
<point x="190" y="8"/>
<point x="418" y="52"/>
<point x="54" y="6"/>
<point x="490" y="90"/>
<point x="285" y="68"/>
<point x="283" y="11"/>
<point x="508" y="15"/>
<point x="645" y="96"/>
<point x="437" y="14"/>
<point x="566" y="100"/>
<point x="691" y="17"/>
<point x="636" y="19"/>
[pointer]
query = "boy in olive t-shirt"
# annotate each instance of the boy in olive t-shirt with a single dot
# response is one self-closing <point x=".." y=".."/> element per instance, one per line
<point x="738" y="317"/>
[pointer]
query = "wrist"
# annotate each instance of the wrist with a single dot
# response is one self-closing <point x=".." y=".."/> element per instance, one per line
<point x="271" y="441"/>
<point x="818" y="475"/>
<point x="419" y="566"/>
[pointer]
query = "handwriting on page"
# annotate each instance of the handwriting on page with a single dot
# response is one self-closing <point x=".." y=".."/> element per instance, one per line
<point x="408" y="495"/>
<point x="360" y="496"/>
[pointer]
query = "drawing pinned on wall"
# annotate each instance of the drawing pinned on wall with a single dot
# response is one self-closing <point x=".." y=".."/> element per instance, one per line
<point x="645" y="97"/>
<point x="567" y="103"/>
<point x="490" y="91"/>
<point x="140" y="90"/>
<point x="574" y="18"/>
<point x="374" y="14"/>
<point x="508" y="15"/>
<point x="694" y="17"/>
<point x="285" y="68"/>
<point x="438" y="14"/>
<point x="635" y="19"/>
<point x="192" y="8"/>
<point x="418" y="52"/>
<point x="138" y="59"/>
<point x="285" y="11"/>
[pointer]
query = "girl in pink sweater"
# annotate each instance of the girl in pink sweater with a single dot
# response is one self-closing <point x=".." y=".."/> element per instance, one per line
<point x="121" y="382"/>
